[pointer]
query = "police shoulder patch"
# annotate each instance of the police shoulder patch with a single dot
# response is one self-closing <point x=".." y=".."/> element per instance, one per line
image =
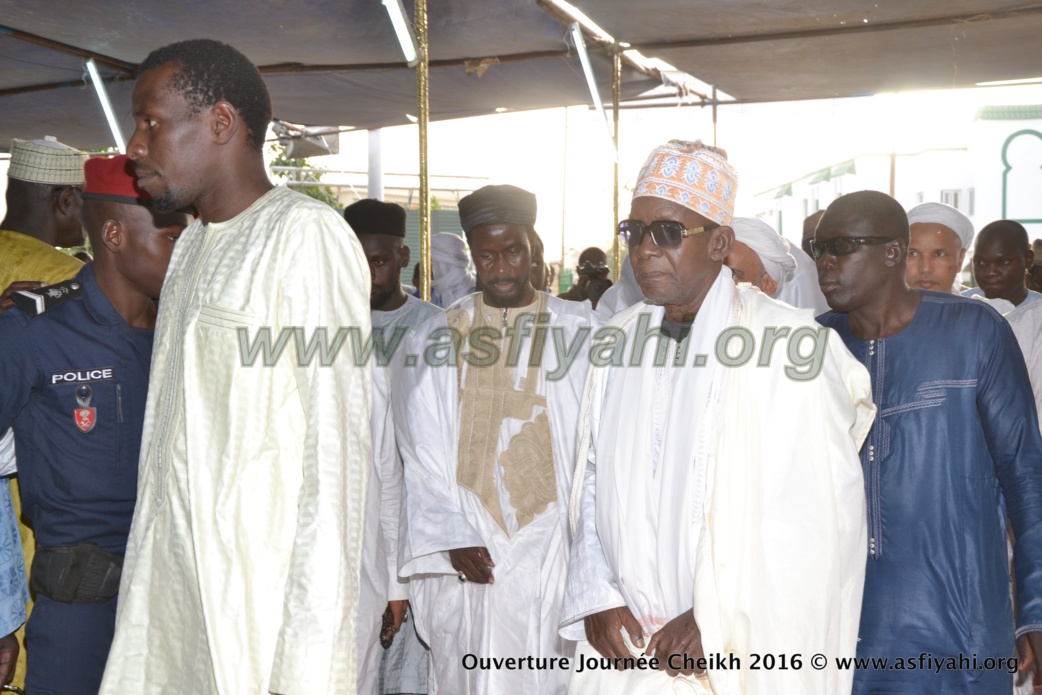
<point x="35" y="302"/>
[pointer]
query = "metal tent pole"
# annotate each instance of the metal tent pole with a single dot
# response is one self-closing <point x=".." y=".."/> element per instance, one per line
<point x="423" y="97"/>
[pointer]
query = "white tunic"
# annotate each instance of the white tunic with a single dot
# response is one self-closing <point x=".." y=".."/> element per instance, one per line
<point x="243" y="565"/>
<point x="380" y="581"/>
<point x="517" y="616"/>
<point x="749" y="505"/>
<point x="1026" y="321"/>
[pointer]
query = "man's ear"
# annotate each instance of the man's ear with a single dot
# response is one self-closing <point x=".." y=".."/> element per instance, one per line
<point x="112" y="236"/>
<point x="769" y="285"/>
<point x="1030" y="258"/>
<point x="226" y="122"/>
<point x="67" y="201"/>
<point x="720" y="242"/>
<point x="896" y="251"/>
<point x="405" y="256"/>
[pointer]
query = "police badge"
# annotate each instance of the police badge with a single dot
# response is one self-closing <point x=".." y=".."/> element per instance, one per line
<point x="85" y="416"/>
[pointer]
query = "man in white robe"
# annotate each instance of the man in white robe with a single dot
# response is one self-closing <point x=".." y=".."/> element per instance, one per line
<point x="400" y="667"/>
<point x="718" y="504"/>
<point x="939" y="236"/>
<point x="487" y="433"/>
<point x="760" y="256"/>
<point x="243" y="564"/>
<point x="451" y="278"/>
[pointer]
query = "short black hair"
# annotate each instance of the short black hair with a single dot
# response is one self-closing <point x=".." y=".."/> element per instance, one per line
<point x="210" y="71"/>
<point x="885" y="214"/>
<point x="1007" y="230"/>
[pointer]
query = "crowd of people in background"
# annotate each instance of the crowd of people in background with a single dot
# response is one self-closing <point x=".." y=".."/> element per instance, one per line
<point x="247" y="458"/>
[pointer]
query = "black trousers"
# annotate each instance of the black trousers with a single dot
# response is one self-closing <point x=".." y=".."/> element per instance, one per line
<point x="67" y="646"/>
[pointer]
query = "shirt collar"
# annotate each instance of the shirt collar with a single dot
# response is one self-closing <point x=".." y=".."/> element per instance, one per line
<point x="98" y="305"/>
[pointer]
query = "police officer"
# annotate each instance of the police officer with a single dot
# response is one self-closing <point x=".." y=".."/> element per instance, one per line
<point x="73" y="382"/>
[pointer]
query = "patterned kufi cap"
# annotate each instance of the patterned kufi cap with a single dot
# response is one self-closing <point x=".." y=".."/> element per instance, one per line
<point x="691" y="174"/>
<point x="46" y="161"/>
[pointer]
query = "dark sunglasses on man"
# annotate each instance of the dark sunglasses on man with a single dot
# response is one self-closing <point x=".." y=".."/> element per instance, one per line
<point x="843" y="245"/>
<point x="666" y="234"/>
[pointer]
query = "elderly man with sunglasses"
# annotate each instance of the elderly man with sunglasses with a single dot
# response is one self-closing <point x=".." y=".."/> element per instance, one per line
<point x="709" y="531"/>
<point x="954" y="453"/>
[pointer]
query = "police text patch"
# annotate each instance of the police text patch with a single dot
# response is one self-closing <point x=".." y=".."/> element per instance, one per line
<point x="83" y="376"/>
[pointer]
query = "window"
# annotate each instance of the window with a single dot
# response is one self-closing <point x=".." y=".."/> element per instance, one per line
<point x="971" y="201"/>
<point x="950" y="197"/>
<point x="806" y="208"/>
<point x="919" y="197"/>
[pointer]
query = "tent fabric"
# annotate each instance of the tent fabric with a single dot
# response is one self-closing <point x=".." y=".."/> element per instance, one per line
<point x="305" y="32"/>
<point x="752" y="50"/>
<point x="932" y="43"/>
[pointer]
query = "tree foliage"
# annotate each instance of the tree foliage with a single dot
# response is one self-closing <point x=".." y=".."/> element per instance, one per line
<point x="307" y="174"/>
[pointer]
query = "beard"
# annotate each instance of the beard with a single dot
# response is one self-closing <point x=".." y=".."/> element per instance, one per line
<point x="170" y="201"/>
<point x="512" y="297"/>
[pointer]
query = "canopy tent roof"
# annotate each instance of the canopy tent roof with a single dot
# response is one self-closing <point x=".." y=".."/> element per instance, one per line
<point x="326" y="62"/>
<point x="774" y="50"/>
<point x="337" y="61"/>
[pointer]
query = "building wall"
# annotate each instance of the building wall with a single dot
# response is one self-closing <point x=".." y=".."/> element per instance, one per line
<point x="995" y="173"/>
<point x="1006" y="161"/>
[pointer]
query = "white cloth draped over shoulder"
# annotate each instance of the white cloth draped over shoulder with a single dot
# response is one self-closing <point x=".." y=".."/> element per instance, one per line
<point x="518" y="615"/>
<point x="766" y="514"/>
<point x="242" y="569"/>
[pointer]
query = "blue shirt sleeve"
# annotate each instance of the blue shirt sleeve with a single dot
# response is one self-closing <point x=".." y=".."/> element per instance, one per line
<point x="1007" y="412"/>
<point x="17" y="368"/>
<point x="17" y="372"/>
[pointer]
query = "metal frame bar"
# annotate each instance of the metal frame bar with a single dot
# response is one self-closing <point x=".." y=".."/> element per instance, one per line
<point x="423" y="99"/>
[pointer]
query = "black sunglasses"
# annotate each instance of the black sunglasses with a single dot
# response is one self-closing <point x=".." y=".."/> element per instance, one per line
<point x="665" y="234"/>
<point x="843" y="245"/>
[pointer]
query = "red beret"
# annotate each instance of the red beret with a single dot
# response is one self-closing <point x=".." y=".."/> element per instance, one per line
<point x="113" y="179"/>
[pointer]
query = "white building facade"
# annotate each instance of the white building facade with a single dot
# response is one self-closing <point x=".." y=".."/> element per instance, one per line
<point x="995" y="174"/>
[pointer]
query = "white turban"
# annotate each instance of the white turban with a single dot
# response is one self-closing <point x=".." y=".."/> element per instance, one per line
<point x="939" y="213"/>
<point x="770" y="246"/>
<point x="450" y="258"/>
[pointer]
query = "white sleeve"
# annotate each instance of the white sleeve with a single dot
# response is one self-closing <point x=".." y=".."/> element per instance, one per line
<point x="389" y="469"/>
<point x="8" y="464"/>
<point x="425" y="400"/>
<point x="325" y="286"/>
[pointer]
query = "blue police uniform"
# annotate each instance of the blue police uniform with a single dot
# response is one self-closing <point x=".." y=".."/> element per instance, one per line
<point x="73" y="383"/>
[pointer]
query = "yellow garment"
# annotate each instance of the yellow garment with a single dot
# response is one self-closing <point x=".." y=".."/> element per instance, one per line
<point x="23" y="257"/>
